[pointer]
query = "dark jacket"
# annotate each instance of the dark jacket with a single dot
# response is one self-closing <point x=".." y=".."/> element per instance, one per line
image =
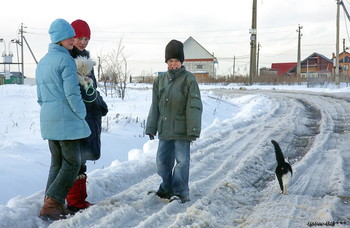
<point x="96" y="107"/>
<point x="176" y="109"/>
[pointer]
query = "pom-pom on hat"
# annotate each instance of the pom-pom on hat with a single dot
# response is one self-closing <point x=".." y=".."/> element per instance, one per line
<point x="174" y="50"/>
<point x="81" y="28"/>
<point x="60" y="30"/>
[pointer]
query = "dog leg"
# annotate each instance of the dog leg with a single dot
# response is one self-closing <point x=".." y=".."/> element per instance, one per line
<point x="284" y="190"/>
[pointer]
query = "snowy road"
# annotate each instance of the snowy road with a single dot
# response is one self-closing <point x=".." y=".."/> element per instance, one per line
<point x="232" y="182"/>
<point x="232" y="178"/>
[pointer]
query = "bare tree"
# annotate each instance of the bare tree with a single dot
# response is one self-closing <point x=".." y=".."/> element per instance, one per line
<point x="101" y="76"/>
<point x="114" y="71"/>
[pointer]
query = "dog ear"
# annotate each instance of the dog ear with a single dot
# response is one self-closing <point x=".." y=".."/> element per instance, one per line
<point x="84" y="65"/>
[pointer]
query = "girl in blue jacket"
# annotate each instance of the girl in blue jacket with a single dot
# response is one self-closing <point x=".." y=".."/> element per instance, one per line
<point x="62" y="117"/>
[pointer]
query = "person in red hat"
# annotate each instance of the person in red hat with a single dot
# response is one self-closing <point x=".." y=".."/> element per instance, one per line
<point x="82" y="36"/>
<point x="95" y="108"/>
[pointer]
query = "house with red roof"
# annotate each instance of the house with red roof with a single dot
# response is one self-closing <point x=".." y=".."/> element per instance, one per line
<point x="282" y="68"/>
<point x="312" y="66"/>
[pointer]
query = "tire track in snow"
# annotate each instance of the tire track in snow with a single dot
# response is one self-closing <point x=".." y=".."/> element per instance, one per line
<point x="316" y="173"/>
<point x="119" y="206"/>
<point x="229" y="176"/>
<point x="318" y="157"/>
<point x="232" y="170"/>
<point x="266" y="157"/>
<point x="208" y="166"/>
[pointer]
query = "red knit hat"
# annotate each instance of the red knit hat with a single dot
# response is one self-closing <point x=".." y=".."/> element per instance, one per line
<point x="81" y="28"/>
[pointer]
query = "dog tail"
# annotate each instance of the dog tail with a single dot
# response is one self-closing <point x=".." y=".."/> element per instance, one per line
<point x="279" y="155"/>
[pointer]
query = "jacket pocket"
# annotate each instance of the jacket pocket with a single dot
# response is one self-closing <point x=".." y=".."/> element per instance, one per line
<point x="195" y="101"/>
<point x="180" y="124"/>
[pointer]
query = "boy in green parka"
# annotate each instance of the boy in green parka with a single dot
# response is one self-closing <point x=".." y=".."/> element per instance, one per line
<point x="175" y="113"/>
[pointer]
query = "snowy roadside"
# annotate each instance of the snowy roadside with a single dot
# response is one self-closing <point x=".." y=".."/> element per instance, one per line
<point x="232" y="165"/>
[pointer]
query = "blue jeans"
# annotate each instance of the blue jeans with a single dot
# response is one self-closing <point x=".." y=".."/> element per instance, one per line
<point x="65" y="165"/>
<point x="175" y="179"/>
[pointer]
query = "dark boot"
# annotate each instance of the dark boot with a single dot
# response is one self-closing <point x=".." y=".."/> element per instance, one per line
<point x="164" y="194"/>
<point x="66" y="211"/>
<point x="76" y="198"/>
<point x="51" y="210"/>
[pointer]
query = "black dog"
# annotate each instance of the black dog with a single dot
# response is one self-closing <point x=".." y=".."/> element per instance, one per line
<point x="283" y="170"/>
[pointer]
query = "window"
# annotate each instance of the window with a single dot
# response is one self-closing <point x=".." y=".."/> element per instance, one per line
<point x="199" y="67"/>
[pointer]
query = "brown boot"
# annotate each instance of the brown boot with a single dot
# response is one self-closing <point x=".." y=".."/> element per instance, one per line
<point x="51" y="210"/>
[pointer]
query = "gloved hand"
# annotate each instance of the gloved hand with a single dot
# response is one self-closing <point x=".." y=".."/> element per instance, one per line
<point x="151" y="137"/>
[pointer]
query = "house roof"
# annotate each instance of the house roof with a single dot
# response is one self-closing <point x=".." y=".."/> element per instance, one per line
<point x="344" y="57"/>
<point x="193" y="50"/>
<point x="282" y="68"/>
<point x="313" y="55"/>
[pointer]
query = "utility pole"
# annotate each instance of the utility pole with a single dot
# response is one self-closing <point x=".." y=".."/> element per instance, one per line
<point x="234" y="65"/>
<point x="22" y="45"/>
<point x="299" y="51"/>
<point x="337" y="45"/>
<point x="253" y="38"/>
<point x="257" y="61"/>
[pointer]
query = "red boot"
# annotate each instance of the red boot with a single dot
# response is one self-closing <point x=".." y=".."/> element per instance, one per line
<point x="76" y="198"/>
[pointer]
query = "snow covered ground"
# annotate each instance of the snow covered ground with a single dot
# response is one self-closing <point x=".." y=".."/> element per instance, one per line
<point x="232" y="182"/>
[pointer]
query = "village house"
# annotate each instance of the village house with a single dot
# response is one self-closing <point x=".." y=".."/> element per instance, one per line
<point x="315" y="65"/>
<point x="282" y="68"/>
<point x="344" y="63"/>
<point x="198" y="60"/>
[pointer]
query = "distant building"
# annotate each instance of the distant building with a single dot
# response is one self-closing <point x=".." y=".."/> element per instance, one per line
<point x="198" y="60"/>
<point x="314" y="65"/>
<point x="11" y="78"/>
<point x="344" y="62"/>
<point x="268" y="72"/>
<point x="282" y="68"/>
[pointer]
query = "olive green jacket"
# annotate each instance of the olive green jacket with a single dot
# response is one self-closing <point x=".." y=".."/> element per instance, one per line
<point x="176" y="110"/>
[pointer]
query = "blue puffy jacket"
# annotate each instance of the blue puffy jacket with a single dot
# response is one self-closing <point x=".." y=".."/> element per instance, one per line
<point x="63" y="112"/>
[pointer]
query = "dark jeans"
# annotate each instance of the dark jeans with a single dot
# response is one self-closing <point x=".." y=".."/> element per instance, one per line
<point x="65" y="165"/>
